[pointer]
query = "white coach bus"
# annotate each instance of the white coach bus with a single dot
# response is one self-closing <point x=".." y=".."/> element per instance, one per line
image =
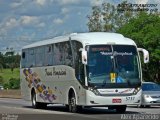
<point x="83" y="70"/>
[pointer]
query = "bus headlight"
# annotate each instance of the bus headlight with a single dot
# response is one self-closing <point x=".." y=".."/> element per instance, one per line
<point x="136" y="90"/>
<point x="95" y="91"/>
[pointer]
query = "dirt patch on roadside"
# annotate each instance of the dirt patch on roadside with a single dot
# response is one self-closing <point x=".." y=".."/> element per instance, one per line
<point x="10" y="93"/>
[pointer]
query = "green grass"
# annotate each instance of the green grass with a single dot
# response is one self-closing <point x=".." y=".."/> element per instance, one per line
<point x="7" y="74"/>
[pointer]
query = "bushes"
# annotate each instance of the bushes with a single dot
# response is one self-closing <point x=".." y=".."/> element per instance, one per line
<point x="1" y="80"/>
<point x="13" y="83"/>
<point x="10" y="80"/>
<point x="6" y="86"/>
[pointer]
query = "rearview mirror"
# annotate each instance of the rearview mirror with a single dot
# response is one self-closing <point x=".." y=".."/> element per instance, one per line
<point x="145" y="54"/>
<point x="84" y="56"/>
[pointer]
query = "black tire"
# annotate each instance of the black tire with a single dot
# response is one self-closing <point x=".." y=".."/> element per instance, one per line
<point x="141" y="106"/>
<point x="36" y="104"/>
<point x="72" y="107"/>
<point x="147" y="106"/>
<point x="121" y="109"/>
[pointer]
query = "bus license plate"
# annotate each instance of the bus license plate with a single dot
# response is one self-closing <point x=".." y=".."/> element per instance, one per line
<point x="116" y="100"/>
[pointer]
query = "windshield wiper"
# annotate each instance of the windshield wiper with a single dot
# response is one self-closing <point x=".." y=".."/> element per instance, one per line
<point x="134" y="84"/>
<point x="104" y="83"/>
<point x="128" y="82"/>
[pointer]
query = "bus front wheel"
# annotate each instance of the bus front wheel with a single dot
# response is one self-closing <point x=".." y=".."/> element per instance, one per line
<point x="118" y="108"/>
<point x="121" y="109"/>
<point x="72" y="106"/>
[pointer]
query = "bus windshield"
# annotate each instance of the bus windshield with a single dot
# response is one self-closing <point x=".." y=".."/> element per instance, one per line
<point x="113" y="66"/>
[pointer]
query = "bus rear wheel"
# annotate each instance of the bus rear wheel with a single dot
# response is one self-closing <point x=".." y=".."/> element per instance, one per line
<point x="36" y="104"/>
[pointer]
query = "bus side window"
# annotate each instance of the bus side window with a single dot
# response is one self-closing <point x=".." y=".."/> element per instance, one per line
<point x="31" y="58"/>
<point x="23" y="55"/>
<point x="24" y="58"/>
<point x="80" y="72"/>
<point x="39" y="56"/>
<point x="48" y="55"/>
<point x="62" y="54"/>
<point x="57" y="58"/>
<point x="79" y="67"/>
<point x="67" y="54"/>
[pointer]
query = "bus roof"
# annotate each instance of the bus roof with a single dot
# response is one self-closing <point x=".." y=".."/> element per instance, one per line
<point x="92" y="38"/>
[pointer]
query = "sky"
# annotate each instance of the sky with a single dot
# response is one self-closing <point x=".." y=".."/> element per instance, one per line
<point x="23" y="22"/>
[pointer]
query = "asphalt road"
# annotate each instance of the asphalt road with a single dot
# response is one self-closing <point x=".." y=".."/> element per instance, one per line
<point x="18" y="109"/>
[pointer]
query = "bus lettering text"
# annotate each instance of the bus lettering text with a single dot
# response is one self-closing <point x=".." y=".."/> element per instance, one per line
<point x="55" y="72"/>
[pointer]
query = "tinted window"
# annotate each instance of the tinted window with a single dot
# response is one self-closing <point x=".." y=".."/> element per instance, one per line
<point x="39" y="56"/>
<point x="62" y="54"/>
<point x="31" y="58"/>
<point x="24" y="58"/>
<point x="79" y="67"/>
<point x="67" y="54"/>
<point x="150" y="87"/>
<point x="23" y="55"/>
<point x="48" y="55"/>
<point x="108" y="65"/>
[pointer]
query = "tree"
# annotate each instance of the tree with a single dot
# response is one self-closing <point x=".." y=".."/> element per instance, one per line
<point x="108" y="17"/>
<point x="1" y="62"/>
<point x="17" y="59"/>
<point x="144" y="29"/>
<point x="6" y="61"/>
<point x="94" y="23"/>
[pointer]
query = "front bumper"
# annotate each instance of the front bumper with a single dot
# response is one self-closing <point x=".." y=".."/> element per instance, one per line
<point x="151" y="101"/>
<point x="95" y="100"/>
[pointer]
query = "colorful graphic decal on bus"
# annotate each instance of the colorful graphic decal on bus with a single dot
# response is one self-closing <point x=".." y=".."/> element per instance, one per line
<point x="33" y="80"/>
